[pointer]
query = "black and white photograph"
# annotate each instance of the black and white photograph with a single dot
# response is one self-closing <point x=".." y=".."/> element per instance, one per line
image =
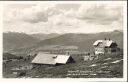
<point x="64" y="40"/>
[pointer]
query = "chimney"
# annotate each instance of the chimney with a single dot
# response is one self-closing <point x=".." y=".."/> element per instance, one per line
<point x="109" y="39"/>
<point x="105" y="39"/>
<point x="68" y="53"/>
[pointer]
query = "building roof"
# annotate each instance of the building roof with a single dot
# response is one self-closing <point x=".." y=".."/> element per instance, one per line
<point x="96" y="42"/>
<point x="104" y="43"/>
<point x="62" y="59"/>
<point x="44" y="58"/>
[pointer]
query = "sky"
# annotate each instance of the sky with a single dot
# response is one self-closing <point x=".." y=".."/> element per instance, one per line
<point x="62" y="18"/>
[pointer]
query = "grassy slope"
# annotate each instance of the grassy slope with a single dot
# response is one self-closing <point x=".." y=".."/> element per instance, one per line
<point x="62" y="71"/>
<point x="102" y="70"/>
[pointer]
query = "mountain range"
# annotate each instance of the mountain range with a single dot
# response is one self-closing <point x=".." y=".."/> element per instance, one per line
<point x="83" y="41"/>
<point x="42" y="36"/>
<point x="23" y="42"/>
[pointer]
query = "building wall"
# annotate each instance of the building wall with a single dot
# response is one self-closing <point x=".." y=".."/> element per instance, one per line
<point x="99" y="50"/>
<point x="109" y="50"/>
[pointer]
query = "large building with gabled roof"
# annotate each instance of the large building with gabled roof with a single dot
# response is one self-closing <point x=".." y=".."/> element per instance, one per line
<point x="105" y="46"/>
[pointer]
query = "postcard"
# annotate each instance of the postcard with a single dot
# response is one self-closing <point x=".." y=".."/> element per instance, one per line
<point x="64" y="41"/>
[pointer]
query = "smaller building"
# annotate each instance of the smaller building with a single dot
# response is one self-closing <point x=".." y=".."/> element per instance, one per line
<point x="51" y="59"/>
<point x="105" y="46"/>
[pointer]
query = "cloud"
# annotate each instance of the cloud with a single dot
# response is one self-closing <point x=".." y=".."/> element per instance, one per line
<point x="33" y="14"/>
<point x="68" y="6"/>
<point x="99" y="14"/>
<point x="62" y="18"/>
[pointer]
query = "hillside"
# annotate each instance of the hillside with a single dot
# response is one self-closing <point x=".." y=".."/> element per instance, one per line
<point x="83" y="41"/>
<point x="9" y="56"/>
<point x="103" y="67"/>
<point x="13" y="40"/>
<point x="23" y="43"/>
<point x="42" y="36"/>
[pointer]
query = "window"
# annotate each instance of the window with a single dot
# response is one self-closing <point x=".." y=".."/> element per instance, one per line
<point x="113" y="50"/>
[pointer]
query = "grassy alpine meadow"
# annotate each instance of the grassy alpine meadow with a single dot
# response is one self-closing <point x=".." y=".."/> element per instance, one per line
<point x="106" y="66"/>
